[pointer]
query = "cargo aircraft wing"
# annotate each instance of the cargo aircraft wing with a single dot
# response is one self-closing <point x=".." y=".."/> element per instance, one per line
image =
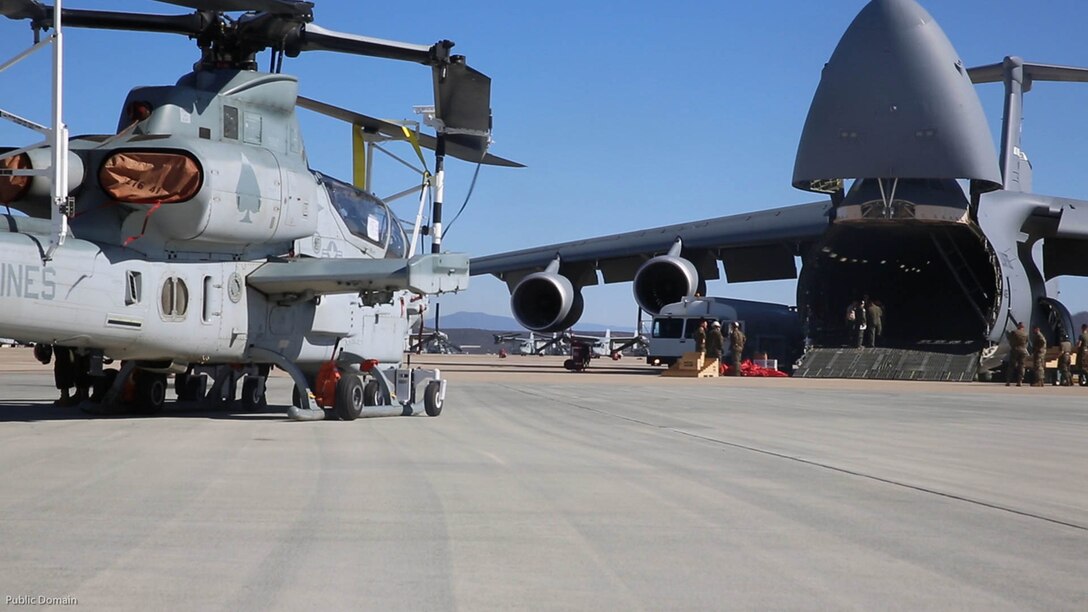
<point x="666" y="263"/>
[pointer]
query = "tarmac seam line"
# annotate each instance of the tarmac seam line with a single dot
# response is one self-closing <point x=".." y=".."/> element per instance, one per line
<point x="810" y="462"/>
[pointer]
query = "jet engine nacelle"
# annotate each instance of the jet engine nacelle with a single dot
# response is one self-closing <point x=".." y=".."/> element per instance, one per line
<point x="546" y="302"/>
<point x="663" y="280"/>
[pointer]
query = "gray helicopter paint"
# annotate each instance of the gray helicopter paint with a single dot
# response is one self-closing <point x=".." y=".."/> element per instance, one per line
<point x="87" y="307"/>
<point x="165" y="285"/>
<point x="29" y="282"/>
<point x="422" y="274"/>
<point x="242" y="211"/>
<point x="867" y="119"/>
<point x="239" y="203"/>
<point x="94" y="312"/>
<point x="203" y="100"/>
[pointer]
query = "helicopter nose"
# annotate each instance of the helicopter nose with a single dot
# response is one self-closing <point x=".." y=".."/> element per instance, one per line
<point x="895" y="101"/>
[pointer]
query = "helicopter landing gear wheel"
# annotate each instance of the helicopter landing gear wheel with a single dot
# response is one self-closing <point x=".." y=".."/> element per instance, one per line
<point x="372" y="394"/>
<point x="349" y="397"/>
<point x="432" y="402"/>
<point x="253" y="394"/>
<point x="150" y="392"/>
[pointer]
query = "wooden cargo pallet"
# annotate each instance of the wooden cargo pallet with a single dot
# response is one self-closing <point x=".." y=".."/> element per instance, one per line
<point x="693" y="365"/>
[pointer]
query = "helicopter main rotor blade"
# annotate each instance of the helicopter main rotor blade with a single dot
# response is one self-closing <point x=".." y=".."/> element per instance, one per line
<point x="279" y="7"/>
<point x="462" y="94"/>
<point x="24" y="9"/>
<point x="42" y="16"/>
<point x="456" y="145"/>
<point x="190" y="24"/>
<point x="312" y="37"/>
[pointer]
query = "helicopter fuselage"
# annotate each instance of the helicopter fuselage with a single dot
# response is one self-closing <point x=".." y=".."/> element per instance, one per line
<point x="204" y="183"/>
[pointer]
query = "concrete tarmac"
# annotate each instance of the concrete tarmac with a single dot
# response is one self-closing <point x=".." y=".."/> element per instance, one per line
<point x="542" y="489"/>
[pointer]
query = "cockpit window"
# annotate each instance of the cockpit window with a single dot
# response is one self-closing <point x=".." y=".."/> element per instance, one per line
<point x="366" y="216"/>
<point x="398" y="242"/>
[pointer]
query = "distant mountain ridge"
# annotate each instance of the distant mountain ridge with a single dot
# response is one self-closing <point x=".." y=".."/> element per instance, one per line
<point x="496" y="323"/>
<point x="480" y="320"/>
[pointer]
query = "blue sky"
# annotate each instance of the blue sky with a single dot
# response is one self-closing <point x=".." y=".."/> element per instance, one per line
<point x="628" y="114"/>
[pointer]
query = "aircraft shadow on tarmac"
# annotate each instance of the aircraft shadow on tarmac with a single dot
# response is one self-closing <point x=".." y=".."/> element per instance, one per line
<point x="550" y="368"/>
<point x="19" y="411"/>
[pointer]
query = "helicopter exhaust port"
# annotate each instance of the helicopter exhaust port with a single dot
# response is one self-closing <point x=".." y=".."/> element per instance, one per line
<point x="31" y="193"/>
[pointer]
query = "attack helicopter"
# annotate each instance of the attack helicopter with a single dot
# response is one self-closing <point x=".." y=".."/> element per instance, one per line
<point x="195" y="240"/>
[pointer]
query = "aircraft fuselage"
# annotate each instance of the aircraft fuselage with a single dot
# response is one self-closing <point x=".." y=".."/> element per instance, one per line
<point x="105" y="298"/>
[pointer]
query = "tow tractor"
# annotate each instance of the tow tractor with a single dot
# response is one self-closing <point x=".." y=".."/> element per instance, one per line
<point x="338" y="389"/>
<point x="580" y="354"/>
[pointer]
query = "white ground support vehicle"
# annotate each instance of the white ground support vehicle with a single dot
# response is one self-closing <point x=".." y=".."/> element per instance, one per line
<point x="773" y="329"/>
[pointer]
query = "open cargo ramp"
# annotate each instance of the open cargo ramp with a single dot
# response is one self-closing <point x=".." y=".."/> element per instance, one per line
<point x="890" y="364"/>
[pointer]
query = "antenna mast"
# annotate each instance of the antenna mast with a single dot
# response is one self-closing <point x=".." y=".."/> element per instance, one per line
<point x="56" y="136"/>
<point x="59" y="136"/>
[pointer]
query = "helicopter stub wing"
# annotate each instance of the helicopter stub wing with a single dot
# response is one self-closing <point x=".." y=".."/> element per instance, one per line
<point x="458" y="145"/>
<point x="426" y="274"/>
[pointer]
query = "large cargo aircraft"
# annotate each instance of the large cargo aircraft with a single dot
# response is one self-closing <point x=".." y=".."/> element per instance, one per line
<point x="917" y="210"/>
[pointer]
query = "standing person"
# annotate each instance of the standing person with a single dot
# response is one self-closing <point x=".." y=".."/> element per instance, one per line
<point x="860" y="323"/>
<point x="1064" y="361"/>
<point x="700" y="336"/>
<point x="736" y="344"/>
<point x="1038" y="345"/>
<point x="874" y="315"/>
<point x="714" y="342"/>
<point x="70" y="369"/>
<point x="1082" y="353"/>
<point x="1018" y="354"/>
<point x="855" y="319"/>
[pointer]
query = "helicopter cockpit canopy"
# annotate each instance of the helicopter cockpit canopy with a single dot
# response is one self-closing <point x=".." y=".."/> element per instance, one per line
<point x="366" y="216"/>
